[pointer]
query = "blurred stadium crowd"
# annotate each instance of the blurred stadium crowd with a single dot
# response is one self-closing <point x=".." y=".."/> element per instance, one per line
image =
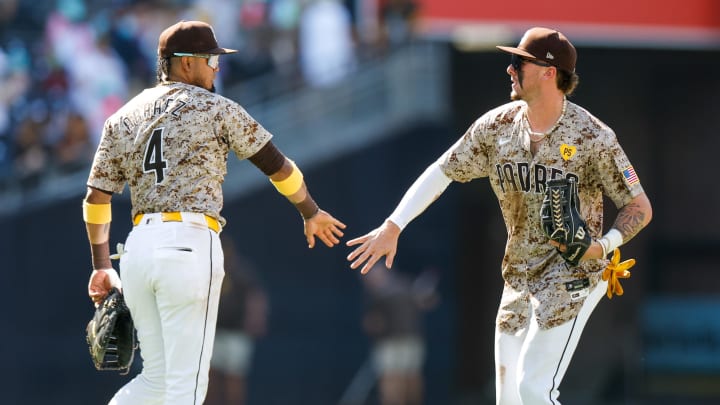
<point x="66" y="65"/>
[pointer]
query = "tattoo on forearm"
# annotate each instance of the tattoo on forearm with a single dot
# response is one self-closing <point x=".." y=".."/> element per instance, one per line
<point x="630" y="220"/>
<point x="98" y="233"/>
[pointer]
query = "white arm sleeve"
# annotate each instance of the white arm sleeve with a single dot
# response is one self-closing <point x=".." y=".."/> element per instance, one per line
<point x="426" y="189"/>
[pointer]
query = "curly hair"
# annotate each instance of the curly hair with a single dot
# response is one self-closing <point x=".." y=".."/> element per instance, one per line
<point x="567" y="82"/>
<point x="163" y="69"/>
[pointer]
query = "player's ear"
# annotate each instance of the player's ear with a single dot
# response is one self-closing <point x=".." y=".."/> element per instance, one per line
<point x="186" y="62"/>
<point x="551" y="72"/>
<point x="183" y="63"/>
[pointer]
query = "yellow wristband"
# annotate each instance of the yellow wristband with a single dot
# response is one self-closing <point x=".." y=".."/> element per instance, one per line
<point x="96" y="213"/>
<point x="291" y="184"/>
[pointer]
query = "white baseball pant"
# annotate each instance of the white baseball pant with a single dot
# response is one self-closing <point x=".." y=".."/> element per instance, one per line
<point x="171" y="274"/>
<point x="530" y="365"/>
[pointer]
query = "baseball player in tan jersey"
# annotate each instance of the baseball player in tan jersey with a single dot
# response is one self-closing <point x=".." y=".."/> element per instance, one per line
<point x="170" y="144"/>
<point x="520" y="146"/>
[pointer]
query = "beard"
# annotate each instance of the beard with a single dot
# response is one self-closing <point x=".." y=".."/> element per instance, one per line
<point x="514" y="96"/>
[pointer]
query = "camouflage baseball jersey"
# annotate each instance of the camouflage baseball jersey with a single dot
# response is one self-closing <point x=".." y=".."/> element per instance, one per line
<point x="170" y="144"/>
<point x="497" y="146"/>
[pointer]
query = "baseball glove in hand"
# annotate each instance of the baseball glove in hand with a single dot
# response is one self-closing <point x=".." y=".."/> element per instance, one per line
<point x="561" y="221"/>
<point x="111" y="334"/>
<point x="615" y="270"/>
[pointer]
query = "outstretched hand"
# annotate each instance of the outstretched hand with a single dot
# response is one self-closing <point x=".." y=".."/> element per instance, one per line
<point x="325" y="227"/>
<point x="380" y="242"/>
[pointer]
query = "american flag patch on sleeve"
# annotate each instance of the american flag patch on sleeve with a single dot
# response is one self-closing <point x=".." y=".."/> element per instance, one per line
<point x="630" y="177"/>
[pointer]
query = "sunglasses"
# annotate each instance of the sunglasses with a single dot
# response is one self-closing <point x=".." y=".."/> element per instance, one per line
<point x="212" y="60"/>
<point x="516" y="62"/>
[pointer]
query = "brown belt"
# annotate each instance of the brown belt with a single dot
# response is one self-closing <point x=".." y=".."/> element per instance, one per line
<point x="212" y="223"/>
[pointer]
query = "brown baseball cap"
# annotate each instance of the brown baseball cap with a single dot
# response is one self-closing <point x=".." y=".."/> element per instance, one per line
<point x="547" y="45"/>
<point x="189" y="37"/>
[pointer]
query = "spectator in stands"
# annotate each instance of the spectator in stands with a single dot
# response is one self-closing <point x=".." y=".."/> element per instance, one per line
<point x="31" y="153"/>
<point x="398" y="21"/>
<point x="284" y="17"/>
<point x="74" y="150"/>
<point x="15" y="83"/>
<point x="327" y="51"/>
<point x="83" y="52"/>
<point x="393" y="319"/>
<point x="242" y="318"/>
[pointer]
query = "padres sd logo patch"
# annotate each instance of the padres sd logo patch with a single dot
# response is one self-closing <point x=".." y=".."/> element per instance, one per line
<point x="567" y="151"/>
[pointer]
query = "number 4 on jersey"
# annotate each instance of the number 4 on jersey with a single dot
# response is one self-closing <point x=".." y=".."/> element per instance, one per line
<point x="153" y="161"/>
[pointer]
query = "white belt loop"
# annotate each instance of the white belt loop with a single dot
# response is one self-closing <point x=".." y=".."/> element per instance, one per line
<point x="187" y="217"/>
<point x="194" y="218"/>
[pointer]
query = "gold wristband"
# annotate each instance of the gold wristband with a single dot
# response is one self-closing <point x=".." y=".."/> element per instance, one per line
<point x="291" y="184"/>
<point x="97" y="213"/>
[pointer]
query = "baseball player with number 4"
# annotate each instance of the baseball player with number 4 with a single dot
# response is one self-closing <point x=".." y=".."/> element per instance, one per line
<point x="549" y="162"/>
<point x="170" y="144"/>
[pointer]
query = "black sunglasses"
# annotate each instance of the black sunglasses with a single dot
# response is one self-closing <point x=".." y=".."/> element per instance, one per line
<point x="516" y="62"/>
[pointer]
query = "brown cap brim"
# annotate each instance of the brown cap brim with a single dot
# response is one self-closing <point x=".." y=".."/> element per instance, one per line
<point x="516" y="51"/>
<point x="220" y="51"/>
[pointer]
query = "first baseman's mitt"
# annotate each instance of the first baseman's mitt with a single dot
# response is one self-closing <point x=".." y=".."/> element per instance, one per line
<point x="111" y="334"/>
<point x="561" y="220"/>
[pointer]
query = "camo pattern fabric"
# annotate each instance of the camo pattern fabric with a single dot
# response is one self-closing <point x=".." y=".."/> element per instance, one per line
<point x="170" y="144"/>
<point x="497" y="146"/>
